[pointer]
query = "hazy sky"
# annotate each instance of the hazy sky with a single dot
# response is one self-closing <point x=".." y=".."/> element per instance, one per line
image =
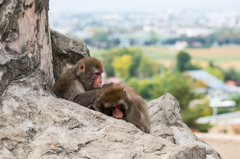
<point x="138" y="5"/>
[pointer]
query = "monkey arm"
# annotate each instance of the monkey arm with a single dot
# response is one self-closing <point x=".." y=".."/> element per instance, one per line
<point x="87" y="98"/>
<point x="93" y="107"/>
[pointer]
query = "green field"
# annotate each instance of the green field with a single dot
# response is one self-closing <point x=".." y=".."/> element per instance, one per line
<point x="225" y="57"/>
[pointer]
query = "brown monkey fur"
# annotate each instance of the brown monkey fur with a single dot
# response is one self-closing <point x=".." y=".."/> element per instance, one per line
<point x="80" y="82"/>
<point x="123" y="102"/>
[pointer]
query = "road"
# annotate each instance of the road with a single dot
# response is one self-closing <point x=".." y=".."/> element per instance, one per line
<point x="228" y="146"/>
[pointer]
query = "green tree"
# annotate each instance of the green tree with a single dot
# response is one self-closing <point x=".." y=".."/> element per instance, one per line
<point x="178" y="85"/>
<point x="231" y="74"/>
<point x="143" y="87"/>
<point x="181" y="88"/>
<point x="144" y="69"/>
<point x="236" y="98"/>
<point x="211" y="64"/>
<point x="155" y="67"/>
<point x="190" y="115"/>
<point x="183" y="61"/>
<point x="121" y="65"/>
<point x="137" y="61"/>
<point x="107" y="58"/>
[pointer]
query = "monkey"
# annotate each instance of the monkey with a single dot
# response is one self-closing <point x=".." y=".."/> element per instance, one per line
<point x="123" y="102"/>
<point x="87" y="98"/>
<point x="80" y="83"/>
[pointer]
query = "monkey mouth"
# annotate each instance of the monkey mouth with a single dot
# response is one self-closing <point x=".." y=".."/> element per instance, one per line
<point x="117" y="112"/>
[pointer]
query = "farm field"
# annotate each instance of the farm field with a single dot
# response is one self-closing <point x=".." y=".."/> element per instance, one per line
<point x="225" y="57"/>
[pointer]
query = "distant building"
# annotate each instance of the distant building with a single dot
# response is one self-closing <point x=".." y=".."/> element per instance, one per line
<point x="180" y="45"/>
<point x="215" y="87"/>
<point x="227" y="118"/>
<point x="228" y="123"/>
<point x="197" y="44"/>
<point x="217" y="91"/>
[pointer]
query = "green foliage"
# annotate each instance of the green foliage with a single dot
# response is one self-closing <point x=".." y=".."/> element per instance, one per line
<point x="155" y="67"/>
<point x="223" y="110"/>
<point x="140" y="67"/>
<point x="121" y="65"/>
<point x="143" y="87"/>
<point x="107" y="60"/>
<point x="183" y="61"/>
<point x="144" y="69"/>
<point x="176" y="84"/>
<point x="130" y="64"/>
<point x="236" y="98"/>
<point x="211" y="64"/>
<point x="190" y="116"/>
<point x="215" y="72"/>
<point x="181" y="88"/>
<point x="231" y="74"/>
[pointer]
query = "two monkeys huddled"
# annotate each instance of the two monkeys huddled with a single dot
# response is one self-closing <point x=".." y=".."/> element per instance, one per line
<point x="82" y="84"/>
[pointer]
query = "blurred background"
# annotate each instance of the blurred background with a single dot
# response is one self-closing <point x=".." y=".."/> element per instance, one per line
<point x="188" y="48"/>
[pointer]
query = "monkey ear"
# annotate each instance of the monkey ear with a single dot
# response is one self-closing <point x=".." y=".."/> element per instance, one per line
<point x="124" y="91"/>
<point x="127" y="95"/>
<point x="82" y="67"/>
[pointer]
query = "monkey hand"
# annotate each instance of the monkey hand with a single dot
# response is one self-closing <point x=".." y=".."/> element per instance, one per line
<point x="93" y="107"/>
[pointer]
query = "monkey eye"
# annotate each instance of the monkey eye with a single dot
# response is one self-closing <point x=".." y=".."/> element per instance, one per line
<point x="81" y="67"/>
<point x="97" y="73"/>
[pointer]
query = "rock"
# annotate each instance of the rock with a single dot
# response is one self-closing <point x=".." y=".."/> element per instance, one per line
<point x="166" y="122"/>
<point x="35" y="124"/>
<point x="25" y="40"/>
<point x="66" y="51"/>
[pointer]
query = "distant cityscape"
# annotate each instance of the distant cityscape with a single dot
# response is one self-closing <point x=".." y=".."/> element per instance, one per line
<point x="140" y="28"/>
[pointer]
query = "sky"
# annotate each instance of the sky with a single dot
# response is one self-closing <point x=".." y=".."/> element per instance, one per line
<point x="140" y="5"/>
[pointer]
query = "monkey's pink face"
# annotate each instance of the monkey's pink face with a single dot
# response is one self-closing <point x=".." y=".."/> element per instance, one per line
<point x="117" y="112"/>
<point x="98" y="79"/>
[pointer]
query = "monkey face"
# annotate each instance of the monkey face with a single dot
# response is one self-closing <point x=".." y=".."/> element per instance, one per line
<point x="89" y="72"/>
<point x="113" y="101"/>
<point x="122" y="102"/>
<point x="115" y="110"/>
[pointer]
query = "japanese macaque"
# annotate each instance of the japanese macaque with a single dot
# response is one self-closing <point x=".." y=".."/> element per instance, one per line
<point x="81" y="82"/>
<point x="122" y="102"/>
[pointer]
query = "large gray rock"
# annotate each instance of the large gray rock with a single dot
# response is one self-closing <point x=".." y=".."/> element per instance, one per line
<point x="166" y="122"/>
<point x="66" y="51"/>
<point x="35" y="124"/>
<point x="24" y="40"/>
